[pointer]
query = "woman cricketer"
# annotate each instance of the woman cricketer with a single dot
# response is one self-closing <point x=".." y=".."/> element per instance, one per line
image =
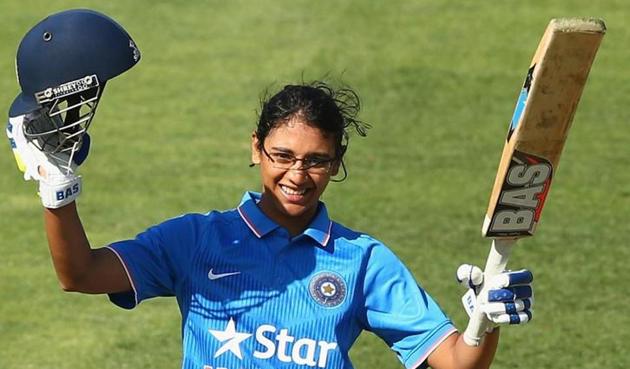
<point x="271" y="283"/>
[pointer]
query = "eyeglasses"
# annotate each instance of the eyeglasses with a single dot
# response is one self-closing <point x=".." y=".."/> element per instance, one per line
<point x="286" y="161"/>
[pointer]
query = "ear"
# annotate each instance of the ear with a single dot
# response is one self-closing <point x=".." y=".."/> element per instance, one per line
<point x="255" y="150"/>
<point x="334" y="170"/>
<point x="335" y="167"/>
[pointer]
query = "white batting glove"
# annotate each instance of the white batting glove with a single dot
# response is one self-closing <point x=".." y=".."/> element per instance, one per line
<point x="56" y="173"/>
<point x="508" y="302"/>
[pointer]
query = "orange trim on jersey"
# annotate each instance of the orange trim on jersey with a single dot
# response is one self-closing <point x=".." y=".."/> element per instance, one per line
<point x="249" y="223"/>
<point x="432" y="348"/>
<point x="133" y="287"/>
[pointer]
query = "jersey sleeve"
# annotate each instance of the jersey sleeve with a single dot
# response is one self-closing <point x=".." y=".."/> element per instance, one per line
<point x="400" y="312"/>
<point x="156" y="260"/>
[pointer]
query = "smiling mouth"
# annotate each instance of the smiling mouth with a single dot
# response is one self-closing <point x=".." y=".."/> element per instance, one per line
<point x="291" y="192"/>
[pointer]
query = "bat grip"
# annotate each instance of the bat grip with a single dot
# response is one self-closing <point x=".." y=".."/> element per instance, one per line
<point x="497" y="260"/>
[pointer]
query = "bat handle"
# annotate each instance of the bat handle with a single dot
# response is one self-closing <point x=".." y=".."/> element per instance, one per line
<point x="497" y="260"/>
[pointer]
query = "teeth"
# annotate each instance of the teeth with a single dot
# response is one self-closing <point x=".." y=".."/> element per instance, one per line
<point x="289" y="191"/>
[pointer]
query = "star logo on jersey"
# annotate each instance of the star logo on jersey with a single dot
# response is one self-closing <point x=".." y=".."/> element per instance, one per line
<point x="328" y="289"/>
<point x="231" y="340"/>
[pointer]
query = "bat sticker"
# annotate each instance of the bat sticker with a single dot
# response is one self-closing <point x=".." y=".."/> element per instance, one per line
<point x="522" y="196"/>
<point x="520" y="103"/>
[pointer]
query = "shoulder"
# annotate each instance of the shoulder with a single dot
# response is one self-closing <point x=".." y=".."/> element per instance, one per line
<point x="347" y="237"/>
<point x="198" y="222"/>
<point x="375" y="253"/>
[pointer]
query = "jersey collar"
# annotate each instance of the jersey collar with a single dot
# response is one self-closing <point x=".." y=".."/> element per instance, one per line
<point x="319" y="229"/>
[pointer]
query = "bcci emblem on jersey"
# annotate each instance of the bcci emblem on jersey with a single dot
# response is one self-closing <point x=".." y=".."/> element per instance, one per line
<point x="328" y="289"/>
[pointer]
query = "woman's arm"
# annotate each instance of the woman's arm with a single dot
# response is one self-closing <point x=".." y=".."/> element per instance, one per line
<point x="79" y="267"/>
<point x="454" y="353"/>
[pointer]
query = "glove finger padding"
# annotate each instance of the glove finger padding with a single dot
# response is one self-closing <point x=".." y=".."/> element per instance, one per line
<point x="517" y="318"/>
<point x="81" y="154"/>
<point x="511" y="278"/>
<point x="508" y="301"/>
<point x="469" y="276"/>
<point x="517" y="312"/>
<point x="510" y="293"/>
<point x="498" y="308"/>
<point x="24" y="156"/>
<point x="58" y="184"/>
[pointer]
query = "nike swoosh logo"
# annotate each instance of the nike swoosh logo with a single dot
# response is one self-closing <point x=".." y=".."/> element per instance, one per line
<point x="212" y="276"/>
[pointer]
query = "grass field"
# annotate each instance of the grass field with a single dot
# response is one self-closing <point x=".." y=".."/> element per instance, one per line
<point x="438" y="81"/>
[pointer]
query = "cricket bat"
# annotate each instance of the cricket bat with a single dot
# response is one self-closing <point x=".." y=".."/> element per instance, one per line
<point x="537" y="133"/>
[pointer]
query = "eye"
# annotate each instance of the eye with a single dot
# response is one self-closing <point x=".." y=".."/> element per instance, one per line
<point x="316" y="162"/>
<point x="281" y="157"/>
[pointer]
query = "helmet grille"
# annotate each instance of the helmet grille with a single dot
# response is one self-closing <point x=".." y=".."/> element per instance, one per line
<point x="59" y="126"/>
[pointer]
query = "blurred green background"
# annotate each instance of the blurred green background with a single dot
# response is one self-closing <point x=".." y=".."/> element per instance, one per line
<point x="438" y="81"/>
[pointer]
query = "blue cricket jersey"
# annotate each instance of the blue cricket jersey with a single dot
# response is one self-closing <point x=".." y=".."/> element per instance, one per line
<point x="251" y="296"/>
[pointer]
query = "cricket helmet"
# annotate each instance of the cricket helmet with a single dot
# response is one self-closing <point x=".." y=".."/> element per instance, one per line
<point x="62" y="65"/>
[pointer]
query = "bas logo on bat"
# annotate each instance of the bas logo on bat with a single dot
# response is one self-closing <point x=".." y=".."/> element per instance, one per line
<point x="522" y="196"/>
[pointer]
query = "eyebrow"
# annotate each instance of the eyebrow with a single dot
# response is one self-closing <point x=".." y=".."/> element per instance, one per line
<point x="308" y="155"/>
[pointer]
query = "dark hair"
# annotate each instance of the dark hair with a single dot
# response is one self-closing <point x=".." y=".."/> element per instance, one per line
<point x="334" y="111"/>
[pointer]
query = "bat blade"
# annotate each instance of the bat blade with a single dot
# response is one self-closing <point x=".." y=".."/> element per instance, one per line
<point x="536" y="136"/>
<point x="540" y="124"/>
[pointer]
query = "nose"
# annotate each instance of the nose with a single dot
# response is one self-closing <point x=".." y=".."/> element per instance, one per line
<point x="297" y="175"/>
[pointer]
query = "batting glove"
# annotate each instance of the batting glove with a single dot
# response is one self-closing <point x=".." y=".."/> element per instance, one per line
<point x="56" y="173"/>
<point x="509" y="300"/>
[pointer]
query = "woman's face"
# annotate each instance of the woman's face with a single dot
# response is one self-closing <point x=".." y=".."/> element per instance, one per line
<point x="290" y="196"/>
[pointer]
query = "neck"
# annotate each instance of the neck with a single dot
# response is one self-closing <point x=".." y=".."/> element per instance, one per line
<point x="295" y="224"/>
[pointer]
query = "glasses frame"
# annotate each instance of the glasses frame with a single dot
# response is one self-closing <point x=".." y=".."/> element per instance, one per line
<point x="306" y="168"/>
